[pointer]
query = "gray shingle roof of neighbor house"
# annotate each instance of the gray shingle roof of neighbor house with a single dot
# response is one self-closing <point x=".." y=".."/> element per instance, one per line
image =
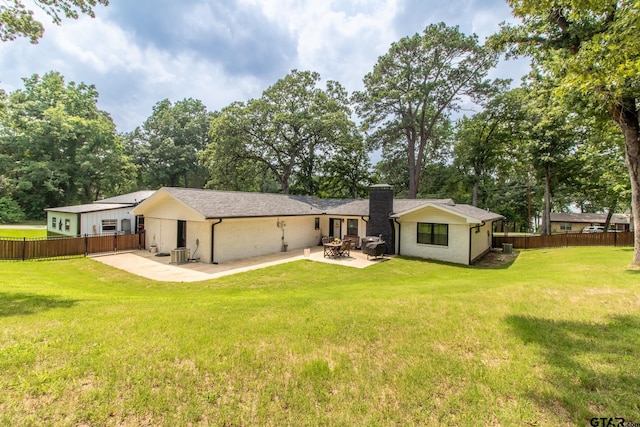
<point x="588" y="217"/>
<point x="234" y="204"/>
<point x="117" y="202"/>
<point x="129" y="199"/>
<point x="92" y="207"/>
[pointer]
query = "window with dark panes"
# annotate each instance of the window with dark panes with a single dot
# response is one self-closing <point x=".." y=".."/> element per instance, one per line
<point x="352" y="227"/>
<point x="433" y="234"/>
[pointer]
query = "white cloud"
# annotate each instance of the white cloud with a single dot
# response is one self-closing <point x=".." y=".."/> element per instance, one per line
<point x="339" y="39"/>
<point x="135" y="63"/>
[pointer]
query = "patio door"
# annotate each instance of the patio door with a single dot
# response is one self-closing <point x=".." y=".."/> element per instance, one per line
<point x="182" y="234"/>
<point x="335" y="227"/>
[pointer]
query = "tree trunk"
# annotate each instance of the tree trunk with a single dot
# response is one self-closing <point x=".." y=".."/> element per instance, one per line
<point x="414" y="173"/>
<point x="625" y="114"/>
<point x="545" y="228"/>
<point x="607" y="222"/>
<point x="285" y="186"/>
<point x="528" y="204"/>
<point x="476" y="187"/>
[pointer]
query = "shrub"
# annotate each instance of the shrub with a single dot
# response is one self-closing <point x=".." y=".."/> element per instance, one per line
<point x="10" y="211"/>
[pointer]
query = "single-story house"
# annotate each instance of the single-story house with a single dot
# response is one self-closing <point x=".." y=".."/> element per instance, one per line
<point x="112" y="215"/>
<point x="570" y="222"/>
<point x="220" y="226"/>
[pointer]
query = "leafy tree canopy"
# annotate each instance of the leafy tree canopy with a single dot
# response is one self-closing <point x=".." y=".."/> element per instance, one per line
<point x="58" y="147"/>
<point x="413" y="88"/>
<point x="287" y="135"/>
<point x="166" y="148"/>
<point x="17" y="20"/>
<point x="591" y="47"/>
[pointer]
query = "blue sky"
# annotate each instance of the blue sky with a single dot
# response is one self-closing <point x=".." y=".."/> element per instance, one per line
<point x="138" y="52"/>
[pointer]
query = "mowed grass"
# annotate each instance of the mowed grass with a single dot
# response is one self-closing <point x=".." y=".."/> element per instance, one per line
<point x="554" y="339"/>
<point x="19" y="233"/>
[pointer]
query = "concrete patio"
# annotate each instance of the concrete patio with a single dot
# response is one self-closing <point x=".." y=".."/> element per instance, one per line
<point x="147" y="264"/>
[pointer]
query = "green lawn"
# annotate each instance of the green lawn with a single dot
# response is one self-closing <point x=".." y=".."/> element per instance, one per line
<point x="554" y="339"/>
<point x="19" y="233"/>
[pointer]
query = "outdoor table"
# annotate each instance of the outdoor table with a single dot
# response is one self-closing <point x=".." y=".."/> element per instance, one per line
<point x="331" y="250"/>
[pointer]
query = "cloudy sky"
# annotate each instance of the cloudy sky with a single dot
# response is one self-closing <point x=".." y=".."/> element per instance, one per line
<point x="138" y="52"/>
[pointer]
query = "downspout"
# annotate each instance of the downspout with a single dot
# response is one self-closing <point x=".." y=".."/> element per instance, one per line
<point x="470" y="230"/>
<point x="365" y="226"/>
<point x="78" y="227"/>
<point x="482" y="224"/>
<point x="213" y="240"/>
<point x="399" y="233"/>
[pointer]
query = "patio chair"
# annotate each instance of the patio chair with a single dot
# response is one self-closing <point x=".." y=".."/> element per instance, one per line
<point x="345" y="248"/>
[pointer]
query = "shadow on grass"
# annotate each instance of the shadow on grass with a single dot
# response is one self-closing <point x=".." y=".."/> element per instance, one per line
<point x="496" y="260"/>
<point x="491" y="260"/>
<point x="25" y="304"/>
<point x="593" y="366"/>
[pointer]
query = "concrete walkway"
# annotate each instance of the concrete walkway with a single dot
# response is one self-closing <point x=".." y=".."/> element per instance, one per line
<point x="146" y="264"/>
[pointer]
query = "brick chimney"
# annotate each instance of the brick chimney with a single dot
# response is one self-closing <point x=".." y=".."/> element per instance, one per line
<point x="380" y="208"/>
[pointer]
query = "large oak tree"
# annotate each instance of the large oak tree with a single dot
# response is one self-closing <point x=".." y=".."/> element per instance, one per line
<point x="286" y="135"/>
<point x="167" y="147"/>
<point x="593" y="47"/>
<point x="413" y="88"/>
<point x="58" y="148"/>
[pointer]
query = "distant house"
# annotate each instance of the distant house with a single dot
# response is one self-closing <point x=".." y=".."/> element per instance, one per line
<point x="112" y="215"/>
<point x="220" y="226"/>
<point x="574" y="222"/>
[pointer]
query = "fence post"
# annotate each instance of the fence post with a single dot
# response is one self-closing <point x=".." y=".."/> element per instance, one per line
<point x="115" y="242"/>
<point x="24" y="248"/>
<point x="86" y="245"/>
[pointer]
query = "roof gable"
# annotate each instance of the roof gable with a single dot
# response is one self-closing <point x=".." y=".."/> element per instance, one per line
<point x="470" y="214"/>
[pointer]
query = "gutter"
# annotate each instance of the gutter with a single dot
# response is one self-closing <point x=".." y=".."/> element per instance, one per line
<point x="213" y="240"/>
<point x="264" y="216"/>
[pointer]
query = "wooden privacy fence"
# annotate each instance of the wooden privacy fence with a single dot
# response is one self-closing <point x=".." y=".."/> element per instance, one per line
<point x="68" y="247"/>
<point x="568" y="239"/>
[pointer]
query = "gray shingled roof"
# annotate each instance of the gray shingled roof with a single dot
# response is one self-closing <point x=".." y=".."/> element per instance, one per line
<point x="447" y="204"/>
<point x="130" y="199"/>
<point x="234" y="204"/>
<point x="117" y="202"/>
<point x="474" y="212"/>
<point x="588" y="217"/>
<point x="92" y="207"/>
